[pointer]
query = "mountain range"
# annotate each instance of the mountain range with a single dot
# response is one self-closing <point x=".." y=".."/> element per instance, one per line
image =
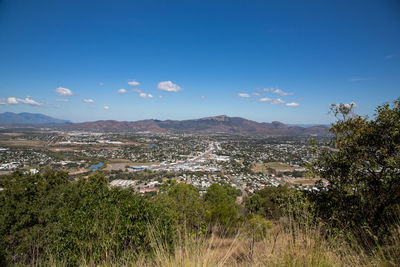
<point x="28" y="118"/>
<point x="216" y="124"/>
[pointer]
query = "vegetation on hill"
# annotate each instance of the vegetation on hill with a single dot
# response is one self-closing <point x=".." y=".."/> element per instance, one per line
<point x="50" y="219"/>
<point x="362" y="167"/>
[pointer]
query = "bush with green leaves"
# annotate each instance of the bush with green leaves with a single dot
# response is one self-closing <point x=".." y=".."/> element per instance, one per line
<point x="256" y="229"/>
<point x="222" y="209"/>
<point x="362" y="167"/>
<point x="281" y="201"/>
<point x="78" y="221"/>
<point x="184" y="205"/>
<point x="98" y="222"/>
<point x="29" y="213"/>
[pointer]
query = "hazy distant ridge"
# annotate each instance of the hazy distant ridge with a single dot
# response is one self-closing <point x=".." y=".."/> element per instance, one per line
<point x="28" y="118"/>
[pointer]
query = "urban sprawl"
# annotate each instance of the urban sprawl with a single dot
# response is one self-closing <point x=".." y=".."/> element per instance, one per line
<point x="146" y="161"/>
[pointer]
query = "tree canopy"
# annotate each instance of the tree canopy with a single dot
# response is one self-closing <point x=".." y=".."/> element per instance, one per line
<point x="362" y="167"/>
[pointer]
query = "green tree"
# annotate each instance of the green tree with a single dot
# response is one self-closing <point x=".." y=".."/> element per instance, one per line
<point x="184" y="205"/>
<point x="256" y="229"/>
<point x="275" y="202"/>
<point x="222" y="208"/>
<point x="98" y="223"/>
<point x="47" y="214"/>
<point x="362" y="166"/>
<point x="28" y="214"/>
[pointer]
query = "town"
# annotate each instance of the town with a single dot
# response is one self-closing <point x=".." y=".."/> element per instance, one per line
<point x="145" y="161"/>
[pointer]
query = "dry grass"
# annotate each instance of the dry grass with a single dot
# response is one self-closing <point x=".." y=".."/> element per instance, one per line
<point x="277" y="166"/>
<point x="305" y="181"/>
<point x="120" y="161"/>
<point x="22" y="143"/>
<point x="117" y="166"/>
<point x="304" y="246"/>
<point x="279" y="248"/>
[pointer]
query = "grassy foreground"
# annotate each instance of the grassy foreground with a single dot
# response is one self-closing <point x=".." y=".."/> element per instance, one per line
<point x="280" y="247"/>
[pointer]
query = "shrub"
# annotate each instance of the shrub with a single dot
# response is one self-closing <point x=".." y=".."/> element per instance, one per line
<point x="280" y="201"/>
<point x="362" y="166"/>
<point x="73" y="221"/>
<point x="222" y="209"/>
<point x="184" y="205"/>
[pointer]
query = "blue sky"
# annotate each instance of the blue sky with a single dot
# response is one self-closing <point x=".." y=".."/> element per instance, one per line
<point x="261" y="60"/>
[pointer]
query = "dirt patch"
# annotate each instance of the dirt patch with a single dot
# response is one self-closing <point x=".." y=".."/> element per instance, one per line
<point x="12" y="134"/>
<point x="144" y="163"/>
<point x="305" y="181"/>
<point x="116" y="166"/>
<point x="120" y="161"/>
<point x="277" y="166"/>
<point x="25" y="143"/>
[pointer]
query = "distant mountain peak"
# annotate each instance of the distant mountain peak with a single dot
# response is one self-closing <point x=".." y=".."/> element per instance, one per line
<point x="278" y="124"/>
<point x="217" y="118"/>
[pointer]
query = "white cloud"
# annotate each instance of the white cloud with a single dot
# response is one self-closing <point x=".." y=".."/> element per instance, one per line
<point x="106" y="107"/>
<point x="169" y="86"/>
<point x="292" y="104"/>
<point x="265" y="99"/>
<point x="122" y="91"/>
<point x="244" y="95"/>
<point x="88" y="100"/>
<point x="160" y="96"/>
<point x="351" y="104"/>
<point x="348" y="105"/>
<point x="281" y="92"/>
<point x="268" y="89"/>
<point x="273" y="90"/>
<point x="203" y="97"/>
<point x="144" y="95"/>
<point x="134" y="83"/>
<point x="101" y="83"/>
<point x="277" y="101"/>
<point x="30" y="101"/>
<point x="14" y="101"/>
<point x="63" y="91"/>
<point x="8" y="101"/>
<point x="62" y="100"/>
<point x="272" y="101"/>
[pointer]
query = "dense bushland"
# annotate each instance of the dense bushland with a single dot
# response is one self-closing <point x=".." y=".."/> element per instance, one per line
<point x="50" y="219"/>
<point x="47" y="214"/>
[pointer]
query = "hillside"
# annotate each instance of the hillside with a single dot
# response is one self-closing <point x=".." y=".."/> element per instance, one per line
<point x="217" y="124"/>
<point x="207" y="125"/>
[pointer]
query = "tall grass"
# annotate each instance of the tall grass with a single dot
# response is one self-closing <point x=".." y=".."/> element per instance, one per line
<point x="296" y="245"/>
